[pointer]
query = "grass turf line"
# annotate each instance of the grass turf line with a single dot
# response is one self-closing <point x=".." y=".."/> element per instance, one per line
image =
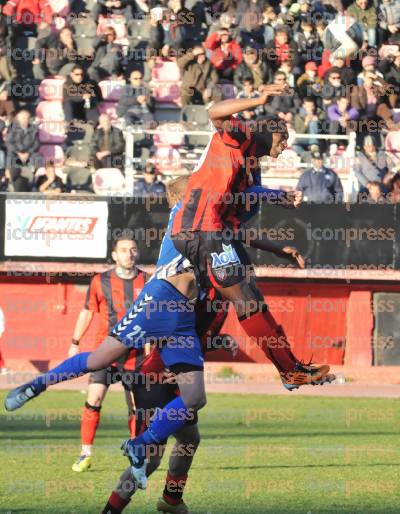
<point x="259" y="455"/>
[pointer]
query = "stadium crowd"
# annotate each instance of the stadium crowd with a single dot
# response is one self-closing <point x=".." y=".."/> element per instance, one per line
<point x="77" y="75"/>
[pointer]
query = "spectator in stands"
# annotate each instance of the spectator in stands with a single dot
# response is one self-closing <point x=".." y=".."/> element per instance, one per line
<point x="107" y="57"/>
<point x="2" y="154"/>
<point x="389" y="19"/>
<point x="365" y="13"/>
<point x="136" y="105"/>
<point x="281" y="49"/>
<point x="307" y="121"/>
<point x="368" y="67"/>
<point x="107" y="145"/>
<point x="149" y="184"/>
<point x="7" y="107"/>
<point x="81" y="96"/>
<point x="340" y="114"/>
<point x="171" y="26"/>
<point x="227" y="20"/>
<point x="302" y="11"/>
<point x="252" y="66"/>
<point x="287" y="68"/>
<point x="109" y="8"/>
<point x="226" y="53"/>
<point x="286" y="105"/>
<point x="27" y="15"/>
<point x="309" y="84"/>
<point x="347" y="74"/>
<point x="56" y="54"/>
<point x="22" y="151"/>
<point x="371" y="167"/>
<point x="332" y="88"/>
<point x="250" y="19"/>
<point x="390" y="67"/>
<point x="320" y="184"/>
<point x="249" y="91"/>
<point x="394" y="188"/>
<point x="308" y="43"/>
<point x="7" y="71"/>
<point x="199" y="78"/>
<point x="269" y="22"/>
<point x="49" y="183"/>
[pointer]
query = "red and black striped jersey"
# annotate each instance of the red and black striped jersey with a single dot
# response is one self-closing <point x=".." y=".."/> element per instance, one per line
<point x="224" y="170"/>
<point x="111" y="296"/>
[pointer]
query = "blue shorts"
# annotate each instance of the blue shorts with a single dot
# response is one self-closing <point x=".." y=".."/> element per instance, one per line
<point x="161" y="315"/>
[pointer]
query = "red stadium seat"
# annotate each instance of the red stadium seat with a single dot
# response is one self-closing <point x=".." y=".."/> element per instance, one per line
<point x="51" y="122"/>
<point x="166" y="82"/>
<point x="51" y="89"/>
<point x="108" y="180"/>
<point x="109" y="108"/>
<point x="52" y="152"/>
<point x="169" y="134"/>
<point x="111" y="89"/>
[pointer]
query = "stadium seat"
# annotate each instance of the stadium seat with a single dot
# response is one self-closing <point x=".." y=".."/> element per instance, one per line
<point x="392" y="145"/>
<point x="84" y="45"/>
<point x="84" y="26"/>
<point x="111" y="89"/>
<point x="169" y="134"/>
<point x="166" y="82"/>
<point x="168" y="160"/>
<point x="109" y="108"/>
<point x="51" y="89"/>
<point x="52" y="152"/>
<point x="107" y="181"/>
<point x="138" y="33"/>
<point x="78" y="154"/>
<point x="51" y="122"/>
<point x="195" y="117"/>
<point x="79" y="179"/>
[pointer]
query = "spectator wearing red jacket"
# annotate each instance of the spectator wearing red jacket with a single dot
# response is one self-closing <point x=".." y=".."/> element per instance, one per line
<point x="28" y="14"/>
<point x="226" y="53"/>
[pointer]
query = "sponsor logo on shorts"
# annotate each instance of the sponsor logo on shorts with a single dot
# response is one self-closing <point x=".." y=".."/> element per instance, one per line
<point x="222" y="261"/>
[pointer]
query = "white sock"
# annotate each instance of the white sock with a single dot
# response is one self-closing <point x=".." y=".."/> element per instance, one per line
<point x="86" y="450"/>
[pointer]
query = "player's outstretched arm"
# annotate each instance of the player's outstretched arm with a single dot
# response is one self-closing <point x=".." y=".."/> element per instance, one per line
<point x="222" y="111"/>
<point x="283" y="251"/>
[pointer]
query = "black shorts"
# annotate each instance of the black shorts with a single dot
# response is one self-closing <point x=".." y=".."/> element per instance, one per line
<point x="151" y="397"/>
<point x="218" y="258"/>
<point x="107" y="376"/>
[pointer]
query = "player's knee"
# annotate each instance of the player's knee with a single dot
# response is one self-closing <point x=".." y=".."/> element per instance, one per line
<point x="197" y="401"/>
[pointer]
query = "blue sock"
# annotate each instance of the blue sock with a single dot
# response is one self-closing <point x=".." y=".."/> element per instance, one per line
<point x="67" y="370"/>
<point x="167" y="421"/>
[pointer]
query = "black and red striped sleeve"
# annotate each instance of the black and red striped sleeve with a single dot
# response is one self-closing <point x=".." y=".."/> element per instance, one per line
<point x="93" y="295"/>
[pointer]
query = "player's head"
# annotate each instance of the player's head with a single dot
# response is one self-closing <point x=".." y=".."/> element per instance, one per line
<point x="124" y="250"/>
<point x="176" y="189"/>
<point x="270" y="137"/>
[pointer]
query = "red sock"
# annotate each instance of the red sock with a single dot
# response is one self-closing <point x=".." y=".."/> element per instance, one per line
<point x="89" y="423"/>
<point x="132" y="425"/>
<point x="173" y="490"/>
<point x="271" y="338"/>
<point x="115" y="504"/>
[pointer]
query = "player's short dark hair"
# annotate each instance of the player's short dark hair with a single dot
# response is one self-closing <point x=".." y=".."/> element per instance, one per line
<point x="126" y="234"/>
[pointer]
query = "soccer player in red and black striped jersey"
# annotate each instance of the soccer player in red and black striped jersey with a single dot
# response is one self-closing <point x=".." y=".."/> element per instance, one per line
<point x="110" y="294"/>
<point x="205" y="229"/>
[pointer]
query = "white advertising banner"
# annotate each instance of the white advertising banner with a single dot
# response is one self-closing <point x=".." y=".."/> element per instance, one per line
<point x="55" y="228"/>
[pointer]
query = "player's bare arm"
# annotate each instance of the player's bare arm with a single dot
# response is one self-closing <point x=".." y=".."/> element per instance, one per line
<point x="82" y="324"/>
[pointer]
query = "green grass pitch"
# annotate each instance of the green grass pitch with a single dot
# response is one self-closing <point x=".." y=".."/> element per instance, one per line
<point x="259" y="454"/>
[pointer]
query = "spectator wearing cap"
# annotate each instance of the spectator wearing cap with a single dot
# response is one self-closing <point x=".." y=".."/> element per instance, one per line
<point x="249" y="91"/>
<point x="49" y="183"/>
<point x="108" y="56"/>
<point x="307" y="121"/>
<point x="252" y="66"/>
<point x="364" y="12"/>
<point x="107" y="145"/>
<point x="136" y="105"/>
<point x="284" y="106"/>
<point x="199" y="78"/>
<point x="370" y="166"/>
<point x="309" y="84"/>
<point x="340" y="114"/>
<point x="389" y="19"/>
<point x="226" y="53"/>
<point x="368" y="66"/>
<point x="281" y="49"/>
<point x="149" y="184"/>
<point x="320" y="184"/>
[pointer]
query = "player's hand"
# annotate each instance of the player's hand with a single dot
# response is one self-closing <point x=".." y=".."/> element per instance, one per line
<point x="73" y="350"/>
<point x="271" y="90"/>
<point x="292" y="252"/>
<point x="231" y="345"/>
<point x="169" y="377"/>
<point x="293" y="199"/>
